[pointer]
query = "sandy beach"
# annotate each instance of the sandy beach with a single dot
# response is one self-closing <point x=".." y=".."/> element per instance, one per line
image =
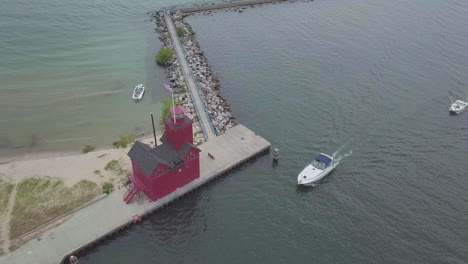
<point x="69" y="167"/>
<point x="72" y="167"/>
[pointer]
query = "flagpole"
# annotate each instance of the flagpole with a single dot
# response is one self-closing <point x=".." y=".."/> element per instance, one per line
<point x="173" y="109"/>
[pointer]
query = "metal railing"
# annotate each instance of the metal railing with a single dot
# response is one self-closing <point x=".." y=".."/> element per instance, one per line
<point x="176" y="38"/>
<point x="201" y="94"/>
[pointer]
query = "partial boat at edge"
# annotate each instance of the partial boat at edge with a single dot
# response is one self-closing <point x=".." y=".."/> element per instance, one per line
<point x="458" y="106"/>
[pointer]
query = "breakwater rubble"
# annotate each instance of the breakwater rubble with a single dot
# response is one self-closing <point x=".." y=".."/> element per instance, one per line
<point x="217" y="107"/>
<point x="233" y="5"/>
<point x="176" y="78"/>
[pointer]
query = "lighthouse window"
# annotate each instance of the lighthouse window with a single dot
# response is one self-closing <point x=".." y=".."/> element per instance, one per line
<point x="191" y="155"/>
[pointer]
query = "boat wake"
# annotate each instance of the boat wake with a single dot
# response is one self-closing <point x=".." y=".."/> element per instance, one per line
<point x="342" y="153"/>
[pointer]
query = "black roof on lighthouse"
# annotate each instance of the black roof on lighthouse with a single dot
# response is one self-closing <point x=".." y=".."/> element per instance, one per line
<point x="148" y="158"/>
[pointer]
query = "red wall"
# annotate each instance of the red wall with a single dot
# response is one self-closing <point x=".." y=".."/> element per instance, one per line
<point x="176" y="178"/>
<point x="157" y="187"/>
<point x="180" y="136"/>
<point x="140" y="175"/>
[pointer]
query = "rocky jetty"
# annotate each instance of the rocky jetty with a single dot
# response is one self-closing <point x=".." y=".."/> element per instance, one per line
<point x="176" y="78"/>
<point x="217" y="107"/>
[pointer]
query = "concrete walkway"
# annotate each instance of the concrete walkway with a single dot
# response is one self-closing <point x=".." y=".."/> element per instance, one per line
<point x="191" y="83"/>
<point x="108" y="215"/>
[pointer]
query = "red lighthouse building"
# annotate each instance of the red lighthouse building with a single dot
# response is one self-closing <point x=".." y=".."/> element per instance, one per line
<point x="161" y="170"/>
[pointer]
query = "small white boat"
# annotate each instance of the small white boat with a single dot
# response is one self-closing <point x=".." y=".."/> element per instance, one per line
<point x="320" y="167"/>
<point x="138" y="92"/>
<point x="458" y="106"/>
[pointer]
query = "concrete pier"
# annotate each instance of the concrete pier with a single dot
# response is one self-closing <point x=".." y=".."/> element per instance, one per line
<point x="95" y="222"/>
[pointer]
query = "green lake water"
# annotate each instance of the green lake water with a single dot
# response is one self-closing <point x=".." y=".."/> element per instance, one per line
<point x="370" y="81"/>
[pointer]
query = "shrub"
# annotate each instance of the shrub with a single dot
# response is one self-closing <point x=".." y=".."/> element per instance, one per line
<point x="107" y="187"/>
<point x="164" y="56"/>
<point x="130" y="137"/>
<point x="116" y="167"/>
<point x="181" y="32"/>
<point x="112" y="165"/>
<point x="124" y="141"/>
<point x="165" y="110"/>
<point x="88" y="148"/>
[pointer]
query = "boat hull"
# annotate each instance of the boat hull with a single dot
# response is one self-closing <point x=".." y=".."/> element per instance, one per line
<point x="455" y="112"/>
<point x="138" y="92"/>
<point x="457" y="107"/>
<point x="138" y="97"/>
<point x="312" y="179"/>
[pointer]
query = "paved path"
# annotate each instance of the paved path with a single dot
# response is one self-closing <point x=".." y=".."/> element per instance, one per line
<point x="191" y="83"/>
<point x="106" y="216"/>
<point x="6" y="222"/>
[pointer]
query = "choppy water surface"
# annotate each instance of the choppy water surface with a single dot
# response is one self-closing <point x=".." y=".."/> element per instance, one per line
<point x="369" y="80"/>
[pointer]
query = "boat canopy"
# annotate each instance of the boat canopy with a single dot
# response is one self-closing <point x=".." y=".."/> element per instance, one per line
<point x="324" y="159"/>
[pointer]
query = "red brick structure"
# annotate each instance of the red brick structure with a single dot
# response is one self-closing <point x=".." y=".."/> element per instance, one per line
<point x="159" y="171"/>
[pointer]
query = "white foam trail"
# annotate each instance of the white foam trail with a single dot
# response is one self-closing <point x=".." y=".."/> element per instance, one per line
<point x="338" y="155"/>
<point x="451" y="100"/>
<point x="340" y="148"/>
<point x="345" y="155"/>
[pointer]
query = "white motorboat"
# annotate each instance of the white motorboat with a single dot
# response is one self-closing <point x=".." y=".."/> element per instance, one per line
<point x="138" y="92"/>
<point x="458" y="106"/>
<point x="322" y="165"/>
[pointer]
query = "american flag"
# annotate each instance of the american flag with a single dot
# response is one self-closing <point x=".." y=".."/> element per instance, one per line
<point x="169" y="87"/>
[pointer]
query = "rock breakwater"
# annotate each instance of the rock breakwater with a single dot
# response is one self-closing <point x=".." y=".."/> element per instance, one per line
<point x="216" y="106"/>
<point x="176" y="77"/>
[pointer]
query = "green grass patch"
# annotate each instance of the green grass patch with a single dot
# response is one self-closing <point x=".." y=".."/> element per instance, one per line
<point x="98" y="172"/>
<point x="164" y="56"/>
<point x="165" y="110"/>
<point x="182" y="90"/>
<point x="41" y="199"/>
<point x="5" y="192"/>
<point x="181" y="32"/>
<point x="87" y="148"/>
<point x="124" y="140"/>
<point x="107" y="187"/>
<point x="116" y="167"/>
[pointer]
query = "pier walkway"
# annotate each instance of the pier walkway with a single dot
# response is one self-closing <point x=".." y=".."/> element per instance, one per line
<point x="111" y="214"/>
<point x="192" y="86"/>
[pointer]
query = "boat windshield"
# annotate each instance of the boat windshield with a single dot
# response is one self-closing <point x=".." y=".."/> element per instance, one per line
<point x="318" y="165"/>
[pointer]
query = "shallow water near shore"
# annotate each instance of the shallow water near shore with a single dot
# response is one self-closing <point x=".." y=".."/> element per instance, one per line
<point x="367" y="80"/>
<point x="68" y="70"/>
